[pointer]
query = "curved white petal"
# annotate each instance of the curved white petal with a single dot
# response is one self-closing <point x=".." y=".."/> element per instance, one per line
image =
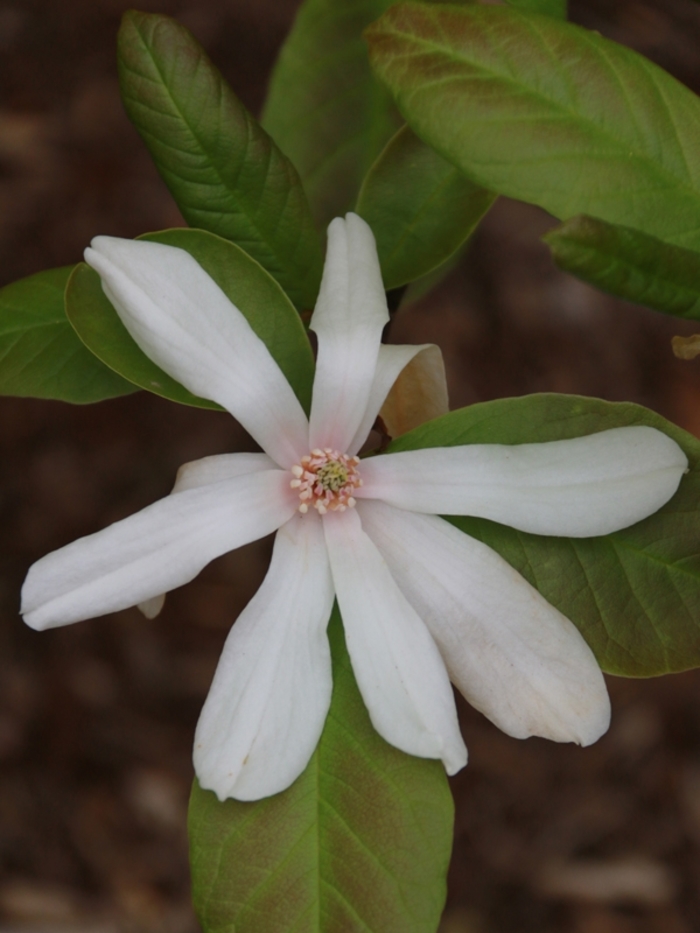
<point x="219" y="467"/>
<point x="184" y="322"/>
<point x="350" y="314"/>
<point x="396" y="663"/>
<point x="391" y="361"/>
<point x="159" y="548"/>
<point x="203" y="472"/>
<point x="508" y="651"/>
<point x="580" y="487"/>
<point x="152" y="607"/>
<point x="267" y="705"/>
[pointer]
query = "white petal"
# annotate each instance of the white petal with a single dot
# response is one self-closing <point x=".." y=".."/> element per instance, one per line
<point x="159" y="548"/>
<point x="267" y="705"/>
<point x="202" y="472"/>
<point x="184" y="322"/>
<point x="398" y="668"/>
<point x="392" y="360"/>
<point x="508" y="651"/>
<point x="585" y="486"/>
<point x="152" y="607"/>
<point x="350" y="314"/>
<point x="219" y="467"/>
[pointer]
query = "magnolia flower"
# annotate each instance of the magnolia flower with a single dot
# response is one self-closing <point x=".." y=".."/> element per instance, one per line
<point x="422" y="603"/>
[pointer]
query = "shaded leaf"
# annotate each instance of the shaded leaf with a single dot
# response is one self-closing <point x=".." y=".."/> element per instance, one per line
<point x="630" y="264"/>
<point x="360" y="842"/>
<point x="254" y="292"/>
<point x="547" y="112"/>
<point x="225" y="173"/>
<point x="325" y="109"/>
<point x="420" y="207"/>
<point x="40" y="354"/>
<point x="557" y="8"/>
<point x="634" y="594"/>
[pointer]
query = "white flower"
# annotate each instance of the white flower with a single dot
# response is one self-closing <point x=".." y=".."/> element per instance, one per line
<point x="422" y="603"/>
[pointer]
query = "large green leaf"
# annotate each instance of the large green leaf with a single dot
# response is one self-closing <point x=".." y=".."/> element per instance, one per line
<point x="254" y="292"/>
<point x="223" y="170"/>
<point x="360" y="843"/>
<point x="40" y="353"/>
<point x="635" y="594"/>
<point x="325" y="109"/>
<point x="420" y="207"/>
<point x="630" y="264"/>
<point x="547" y="112"/>
<point x="557" y="8"/>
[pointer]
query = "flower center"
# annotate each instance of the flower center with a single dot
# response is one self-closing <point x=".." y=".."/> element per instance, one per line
<point x="326" y="479"/>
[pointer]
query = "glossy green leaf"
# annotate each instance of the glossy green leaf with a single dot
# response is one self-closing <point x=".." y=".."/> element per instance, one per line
<point x="360" y="843"/>
<point x="40" y="353"/>
<point x="254" y="292"/>
<point x="420" y="207"/>
<point x="629" y="264"/>
<point x="557" y="8"/>
<point x="325" y="109"/>
<point x="547" y="112"/>
<point x="635" y="594"/>
<point x="225" y="173"/>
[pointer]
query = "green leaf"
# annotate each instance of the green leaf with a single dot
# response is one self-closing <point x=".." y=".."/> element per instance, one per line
<point x="40" y="354"/>
<point x="254" y="292"/>
<point x="225" y="173"/>
<point x="360" y="843"/>
<point x="427" y="283"/>
<point x="420" y="207"/>
<point x="556" y="8"/>
<point x="635" y="594"/>
<point x="630" y="264"/>
<point x="547" y="112"/>
<point x="325" y="109"/>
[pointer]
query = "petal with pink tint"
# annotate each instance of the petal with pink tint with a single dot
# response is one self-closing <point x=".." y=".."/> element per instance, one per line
<point x="348" y="320"/>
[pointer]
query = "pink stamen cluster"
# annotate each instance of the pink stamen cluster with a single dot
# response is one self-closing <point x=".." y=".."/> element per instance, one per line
<point x="326" y="479"/>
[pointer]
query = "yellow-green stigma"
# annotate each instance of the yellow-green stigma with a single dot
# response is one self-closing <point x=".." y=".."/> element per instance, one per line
<point x="332" y="475"/>
<point x="326" y="479"/>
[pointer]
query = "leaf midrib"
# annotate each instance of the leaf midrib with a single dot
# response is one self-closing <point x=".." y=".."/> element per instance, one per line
<point x="163" y="86"/>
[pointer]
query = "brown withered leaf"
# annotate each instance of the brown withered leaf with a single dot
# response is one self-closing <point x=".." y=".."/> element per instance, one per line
<point x="686" y="348"/>
<point x="418" y="395"/>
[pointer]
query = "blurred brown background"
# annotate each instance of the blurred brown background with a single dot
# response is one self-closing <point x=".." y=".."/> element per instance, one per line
<point x="96" y="720"/>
